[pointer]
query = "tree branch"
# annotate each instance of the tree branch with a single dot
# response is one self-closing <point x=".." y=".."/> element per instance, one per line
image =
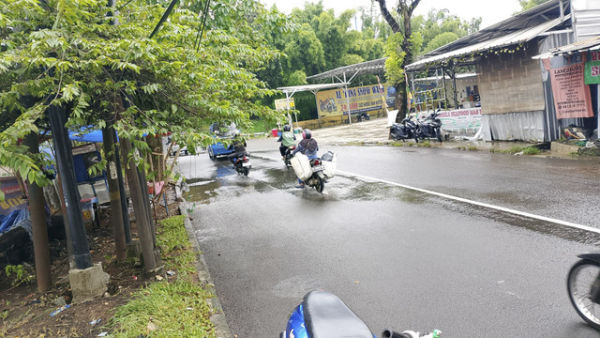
<point x="388" y="16"/>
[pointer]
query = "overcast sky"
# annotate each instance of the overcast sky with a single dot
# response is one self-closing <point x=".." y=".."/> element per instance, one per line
<point x="491" y="11"/>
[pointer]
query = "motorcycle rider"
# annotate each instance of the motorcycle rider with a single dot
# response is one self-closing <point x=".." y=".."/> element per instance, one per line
<point x="287" y="139"/>
<point x="238" y="145"/>
<point x="309" y="147"/>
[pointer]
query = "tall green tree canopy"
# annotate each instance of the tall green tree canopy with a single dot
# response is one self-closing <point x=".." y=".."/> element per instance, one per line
<point x="66" y="53"/>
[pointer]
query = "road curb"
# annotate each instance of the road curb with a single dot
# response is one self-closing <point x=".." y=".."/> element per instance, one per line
<point x="222" y="329"/>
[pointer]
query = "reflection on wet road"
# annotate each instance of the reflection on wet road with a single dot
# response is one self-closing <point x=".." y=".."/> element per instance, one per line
<point x="399" y="258"/>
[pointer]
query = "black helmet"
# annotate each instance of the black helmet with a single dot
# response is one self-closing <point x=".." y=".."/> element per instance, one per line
<point x="307" y="134"/>
<point x="287" y="127"/>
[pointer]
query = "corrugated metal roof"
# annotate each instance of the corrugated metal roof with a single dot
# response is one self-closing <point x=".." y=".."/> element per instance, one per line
<point x="370" y="67"/>
<point x="311" y="88"/>
<point x="579" y="46"/>
<point x="446" y="77"/>
<point x="519" y="36"/>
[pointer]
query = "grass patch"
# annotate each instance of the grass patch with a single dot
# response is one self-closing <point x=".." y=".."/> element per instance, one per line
<point x="397" y="144"/>
<point x="531" y="151"/>
<point x="472" y="148"/>
<point x="424" y="144"/>
<point x="176" y="307"/>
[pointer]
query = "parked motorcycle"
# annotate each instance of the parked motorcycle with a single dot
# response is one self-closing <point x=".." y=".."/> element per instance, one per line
<point x="583" y="286"/>
<point x="315" y="173"/>
<point x="323" y="314"/>
<point x="430" y="127"/>
<point x="287" y="157"/>
<point x="405" y="130"/>
<point x="363" y="117"/>
<point x="241" y="163"/>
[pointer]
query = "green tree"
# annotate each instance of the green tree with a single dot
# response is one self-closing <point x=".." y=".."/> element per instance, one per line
<point x="65" y="53"/>
<point x="440" y="40"/>
<point x="527" y="4"/>
<point x="404" y="10"/>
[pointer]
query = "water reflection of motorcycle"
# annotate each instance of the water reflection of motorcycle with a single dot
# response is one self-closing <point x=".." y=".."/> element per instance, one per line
<point x="323" y="314"/>
<point x="430" y="127"/>
<point x="583" y="286"/>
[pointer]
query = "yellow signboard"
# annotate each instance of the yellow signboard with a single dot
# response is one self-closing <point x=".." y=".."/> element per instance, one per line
<point x="362" y="99"/>
<point x="281" y="104"/>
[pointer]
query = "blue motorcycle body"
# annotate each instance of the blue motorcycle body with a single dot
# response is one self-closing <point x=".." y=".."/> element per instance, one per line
<point x="322" y="314"/>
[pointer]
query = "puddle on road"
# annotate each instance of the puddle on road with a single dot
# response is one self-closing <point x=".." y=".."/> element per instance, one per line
<point x="339" y="188"/>
<point x="228" y="185"/>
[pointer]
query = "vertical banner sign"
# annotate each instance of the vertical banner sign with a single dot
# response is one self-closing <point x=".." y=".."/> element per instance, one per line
<point x="571" y="95"/>
<point x="592" y="69"/>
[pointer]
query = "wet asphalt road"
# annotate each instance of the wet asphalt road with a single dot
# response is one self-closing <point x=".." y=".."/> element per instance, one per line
<point x="399" y="259"/>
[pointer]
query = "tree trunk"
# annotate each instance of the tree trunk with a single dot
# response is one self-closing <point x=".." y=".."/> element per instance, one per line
<point x="116" y="212"/>
<point x="39" y="227"/>
<point x="142" y="212"/>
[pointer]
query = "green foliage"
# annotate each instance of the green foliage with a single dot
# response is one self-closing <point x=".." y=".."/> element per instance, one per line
<point x="395" y="56"/>
<point x="66" y="53"/>
<point x="440" y="40"/>
<point x="440" y="27"/>
<point x="19" y="274"/>
<point x="528" y="4"/>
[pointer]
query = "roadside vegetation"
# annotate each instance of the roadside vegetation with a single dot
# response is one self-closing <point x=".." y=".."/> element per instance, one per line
<point x="174" y="306"/>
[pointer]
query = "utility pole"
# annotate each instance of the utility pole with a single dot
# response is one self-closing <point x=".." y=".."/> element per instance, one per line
<point x="39" y="227"/>
<point x="64" y="162"/>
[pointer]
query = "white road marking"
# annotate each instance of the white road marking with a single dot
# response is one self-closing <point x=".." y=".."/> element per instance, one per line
<point x="459" y="199"/>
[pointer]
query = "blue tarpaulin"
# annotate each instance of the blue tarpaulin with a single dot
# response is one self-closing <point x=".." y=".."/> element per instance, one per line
<point x="86" y="134"/>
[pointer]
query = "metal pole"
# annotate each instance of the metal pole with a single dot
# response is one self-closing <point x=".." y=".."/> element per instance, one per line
<point x="598" y="111"/>
<point x="39" y="228"/>
<point x="287" y="102"/>
<point x="64" y="162"/>
<point x="347" y="100"/>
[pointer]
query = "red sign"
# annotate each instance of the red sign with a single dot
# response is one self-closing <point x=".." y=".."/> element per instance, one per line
<point x="571" y="95"/>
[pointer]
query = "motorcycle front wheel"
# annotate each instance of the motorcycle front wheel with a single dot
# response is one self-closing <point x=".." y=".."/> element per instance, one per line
<point x="438" y="133"/>
<point x="583" y="282"/>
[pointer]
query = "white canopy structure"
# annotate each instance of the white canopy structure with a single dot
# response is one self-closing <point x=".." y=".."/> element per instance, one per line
<point x="313" y="88"/>
<point x="344" y="75"/>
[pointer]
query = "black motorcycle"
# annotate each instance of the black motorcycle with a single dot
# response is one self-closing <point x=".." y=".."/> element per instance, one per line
<point x="288" y="156"/>
<point x="583" y="286"/>
<point x="241" y="163"/>
<point x="363" y="117"/>
<point x="405" y="130"/>
<point x="430" y="127"/>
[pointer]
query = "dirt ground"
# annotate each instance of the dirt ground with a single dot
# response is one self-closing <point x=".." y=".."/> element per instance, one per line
<point x="24" y="312"/>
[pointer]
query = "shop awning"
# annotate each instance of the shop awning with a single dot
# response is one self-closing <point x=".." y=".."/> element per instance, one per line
<point x="579" y="46"/>
<point x="509" y="39"/>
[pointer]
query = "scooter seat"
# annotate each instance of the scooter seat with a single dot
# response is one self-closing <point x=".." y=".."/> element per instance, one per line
<point x="326" y="316"/>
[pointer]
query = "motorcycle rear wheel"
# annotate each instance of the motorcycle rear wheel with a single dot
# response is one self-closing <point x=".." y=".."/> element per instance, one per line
<point x="245" y="171"/>
<point x="582" y="282"/>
